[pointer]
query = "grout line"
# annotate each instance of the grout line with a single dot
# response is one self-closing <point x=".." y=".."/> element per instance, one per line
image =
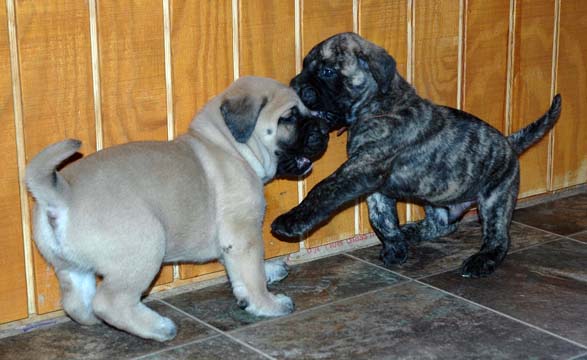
<point x="378" y="266"/>
<point x="460" y="55"/>
<point x="314" y="308"/>
<point x="215" y="329"/>
<point x="577" y="233"/>
<point x="21" y="156"/>
<point x="235" y="40"/>
<point x="576" y="357"/>
<point x="171" y="348"/>
<point x="539" y="229"/>
<point x="502" y="314"/>
<point x="96" y="85"/>
<point x="553" y="90"/>
<point x="510" y="71"/>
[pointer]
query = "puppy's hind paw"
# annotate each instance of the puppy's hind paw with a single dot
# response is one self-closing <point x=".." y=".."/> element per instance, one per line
<point x="275" y="271"/>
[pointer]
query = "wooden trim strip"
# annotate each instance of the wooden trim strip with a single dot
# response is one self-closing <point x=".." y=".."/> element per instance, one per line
<point x="357" y="212"/>
<point x="553" y="91"/>
<point x="235" y="40"/>
<point x="356" y="16"/>
<point x="411" y="28"/>
<point x="510" y="68"/>
<point x="97" y="87"/>
<point x="21" y="155"/>
<point x="461" y="66"/>
<point x="168" y="69"/>
<point x="169" y="88"/>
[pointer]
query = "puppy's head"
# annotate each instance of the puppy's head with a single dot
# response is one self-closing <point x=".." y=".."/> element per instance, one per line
<point x="270" y="118"/>
<point x="341" y="74"/>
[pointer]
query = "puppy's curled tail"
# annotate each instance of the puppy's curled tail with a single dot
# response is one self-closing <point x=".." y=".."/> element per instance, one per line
<point x="528" y="136"/>
<point x="46" y="184"/>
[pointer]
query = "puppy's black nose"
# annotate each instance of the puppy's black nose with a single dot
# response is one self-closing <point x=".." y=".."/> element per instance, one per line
<point x="308" y="95"/>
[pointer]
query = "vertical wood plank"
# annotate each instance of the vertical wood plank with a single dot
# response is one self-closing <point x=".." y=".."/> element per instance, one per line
<point x="436" y="56"/>
<point x="532" y="68"/>
<point x="57" y="100"/>
<point x="201" y="47"/>
<point x="570" y="134"/>
<point x="321" y="19"/>
<point x="385" y="23"/>
<point x="13" y="291"/>
<point x="485" y="60"/>
<point x="132" y="76"/>
<point x="267" y="48"/>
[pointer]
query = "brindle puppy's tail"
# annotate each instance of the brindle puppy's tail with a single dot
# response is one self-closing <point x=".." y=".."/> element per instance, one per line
<point x="46" y="184"/>
<point x="528" y="136"/>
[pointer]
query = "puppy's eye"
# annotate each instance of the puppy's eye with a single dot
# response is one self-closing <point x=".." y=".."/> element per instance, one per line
<point x="327" y="73"/>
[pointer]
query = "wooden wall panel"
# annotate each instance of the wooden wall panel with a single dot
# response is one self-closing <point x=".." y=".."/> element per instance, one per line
<point x="57" y="99"/>
<point x="436" y="56"/>
<point x="132" y="76"/>
<point x="570" y="140"/>
<point x="13" y="291"/>
<point x="485" y="82"/>
<point x="321" y="19"/>
<point x="532" y="67"/>
<point x="201" y="49"/>
<point x="267" y="48"/>
<point x="202" y="64"/>
<point x="385" y="23"/>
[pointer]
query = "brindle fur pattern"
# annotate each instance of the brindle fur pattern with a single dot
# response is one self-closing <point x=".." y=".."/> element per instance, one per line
<point x="403" y="147"/>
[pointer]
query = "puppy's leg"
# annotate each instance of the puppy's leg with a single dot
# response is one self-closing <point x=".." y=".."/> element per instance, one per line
<point x="118" y="297"/>
<point x="385" y="222"/>
<point x="496" y="209"/>
<point x="246" y="270"/>
<point x="436" y="224"/>
<point x="275" y="271"/>
<point x="77" y="292"/>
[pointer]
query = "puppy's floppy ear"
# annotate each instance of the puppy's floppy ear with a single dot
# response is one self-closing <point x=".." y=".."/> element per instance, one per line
<point x="240" y="115"/>
<point x="379" y="63"/>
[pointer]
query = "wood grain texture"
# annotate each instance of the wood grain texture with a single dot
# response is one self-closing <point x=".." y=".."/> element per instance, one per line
<point x="321" y="19"/>
<point x="436" y="47"/>
<point x="570" y="134"/>
<point x="13" y="291"/>
<point x="57" y="99"/>
<point x="485" y="60"/>
<point x="385" y="23"/>
<point x="201" y="48"/>
<point x="132" y="76"/>
<point x="267" y="48"/>
<point x="532" y="68"/>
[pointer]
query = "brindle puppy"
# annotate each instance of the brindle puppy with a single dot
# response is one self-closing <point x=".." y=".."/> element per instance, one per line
<point x="401" y="146"/>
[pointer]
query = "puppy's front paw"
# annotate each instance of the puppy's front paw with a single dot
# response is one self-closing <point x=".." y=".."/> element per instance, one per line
<point x="289" y="225"/>
<point x="394" y="254"/>
<point x="479" y="265"/>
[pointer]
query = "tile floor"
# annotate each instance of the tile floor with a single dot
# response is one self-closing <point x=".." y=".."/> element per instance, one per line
<point x="349" y="307"/>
